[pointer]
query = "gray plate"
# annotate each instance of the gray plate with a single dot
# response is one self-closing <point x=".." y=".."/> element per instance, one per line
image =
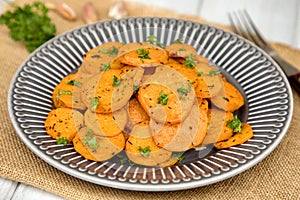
<point x="269" y="103"/>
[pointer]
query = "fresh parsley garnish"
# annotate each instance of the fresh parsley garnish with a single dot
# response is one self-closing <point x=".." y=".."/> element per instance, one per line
<point x="182" y="49"/>
<point x="214" y="72"/>
<point x="135" y="88"/>
<point x="184" y="91"/>
<point x="116" y="81"/>
<point x="190" y="61"/>
<point x="179" y="156"/>
<point x="29" y="24"/>
<point x="198" y="73"/>
<point x="62" y="92"/>
<point x="145" y="152"/>
<point x="105" y="67"/>
<point x="178" y="41"/>
<point x="235" y="124"/>
<point x="153" y="39"/>
<point x="112" y="51"/>
<point x="163" y="99"/>
<point x="62" y="140"/>
<point x="74" y="82"/>
<point x="143" y="53"/>
<point x="94" y="103"/>
<point x="89" y="140"/>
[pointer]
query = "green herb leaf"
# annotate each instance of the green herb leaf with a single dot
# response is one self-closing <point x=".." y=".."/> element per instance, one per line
<point x="143" y="53"/>
<point x="163" y="99"/>
<point x="62" y="140"/>
<point x="198" y="73"/>
<point x="94" y="103"/>
<point x="135" y="88"/>
<point x="112" y="51"/>
<point x="89" y="140"/>
<point x="63" y="92"/>
<point x="74" y="82"/>
<point x="182" y="49"/>
<point x="116" y="81"/>
<point x="178" y="41"/>
<point x="190" y="61"/>
<point x="235" y="124"/>
<point x="153" y="39"/>
<point x="145" y="152"/>
<point x="105" y="68"/>
<point x="29" y="24"/>
<point x="214" y="72"/>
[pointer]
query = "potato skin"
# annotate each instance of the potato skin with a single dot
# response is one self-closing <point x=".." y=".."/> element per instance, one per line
<point x="63" y="122"/>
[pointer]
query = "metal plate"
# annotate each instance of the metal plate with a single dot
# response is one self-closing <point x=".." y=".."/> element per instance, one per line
<point x="269" y="102"/>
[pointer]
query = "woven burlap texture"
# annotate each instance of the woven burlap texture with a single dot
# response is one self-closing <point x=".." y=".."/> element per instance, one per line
<point x="276" y="177"/>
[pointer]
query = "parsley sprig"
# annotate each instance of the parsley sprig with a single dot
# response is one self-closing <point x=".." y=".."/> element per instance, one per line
<point x="153" y="40"/>
<point x="116" y="81"/>
<point x="29" y="24"/>
<point x="163" y="98"/>
<point x="190" y="61"/>
<point x="235" y="124"/>
<point x="113" y="51"/>
<point x="62" y="140"/>
<point x="90" y="140"/>
<point x="145" y="152"/>
<point x="143" y="53"/>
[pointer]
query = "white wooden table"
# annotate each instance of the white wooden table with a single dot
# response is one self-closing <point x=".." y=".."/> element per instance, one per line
<point x="279" y="20"/>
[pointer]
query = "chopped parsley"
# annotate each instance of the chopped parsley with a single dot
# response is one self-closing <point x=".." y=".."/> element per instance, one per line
<point x="112" y="51"/>
<point x="94" y="103"/>
<point x="63" y="92"/>
<point x="89" y="140"/>
<point x="190" y="61"/>
<point x="163" y="99"/>
<point x="179" y="156"/>
<point x="214" y="72"/>
<point x="184" y="91"/>
<point x="143" y="53"/>
<point x="178" y="41"/>
<point x="145" y="152"/>
<point x="135" y="88"/>
<point x="105" y="67"/>
<point x="235" y="124"/>
<point x="198" y="73"/>
<point x="182" y="49"/>
<point x="116" y="81"/>
<point x="62" y="140"/>
<point x="74" y="82"/>
<point x="153" y="39"/>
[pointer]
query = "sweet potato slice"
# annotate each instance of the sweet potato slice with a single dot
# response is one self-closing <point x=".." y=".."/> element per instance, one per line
<point x="136" y="112"/>
<point x="237" y="138"/>
<point x="178" y="50"/>
<point x="98" y="148"/>
<point x="111" y="90"/>
<point x="169" y="84"/>
<point x="218" y="129"/>
<point x="96" y="59"/>
<point x="63" y="123"/>
<point x="141" y="149"/>
<point x="108" y="124"/>
<point x="67" y="93"/>
<point x="181" y="136"/>
<point x="231" y="100"/>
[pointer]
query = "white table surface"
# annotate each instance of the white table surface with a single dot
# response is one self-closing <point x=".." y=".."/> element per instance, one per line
<point x="279" y="20"/>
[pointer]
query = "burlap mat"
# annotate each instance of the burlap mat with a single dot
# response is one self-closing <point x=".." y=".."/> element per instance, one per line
<point x="276" y="177"/>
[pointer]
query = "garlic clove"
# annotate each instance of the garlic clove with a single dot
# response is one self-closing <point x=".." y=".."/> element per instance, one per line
<point x="63" y="9"/>
<point x="118" y="11"/>
<point x="89" y="13"/>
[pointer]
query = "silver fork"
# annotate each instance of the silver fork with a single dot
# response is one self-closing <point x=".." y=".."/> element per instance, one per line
<point x="243" y="25"/>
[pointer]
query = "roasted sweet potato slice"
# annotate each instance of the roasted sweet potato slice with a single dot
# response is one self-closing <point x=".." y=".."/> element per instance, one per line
<point x="63" y="123"/>
<point x="178" y="50"/>
<point x="108" y="124"/>
<point x="231" y="100"/>
<point x="67" y="93"/>
<point x="136" y="112"/>
<point x="141" y="149"/>
<point x="98" y="148"/>
<point x="237" y="138"/>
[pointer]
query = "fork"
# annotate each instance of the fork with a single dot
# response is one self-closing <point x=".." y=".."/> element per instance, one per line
<point x="243" y="25"/>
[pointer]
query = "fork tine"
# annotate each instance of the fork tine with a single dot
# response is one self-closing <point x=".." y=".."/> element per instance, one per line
<point x="237" y="25"/>
<point x="250" y="25"/>
<point x="233" y="25"/>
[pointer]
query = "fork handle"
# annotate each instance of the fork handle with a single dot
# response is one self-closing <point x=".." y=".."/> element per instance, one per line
<point x="295" y="82"/>
<point x="291" y="72"/>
